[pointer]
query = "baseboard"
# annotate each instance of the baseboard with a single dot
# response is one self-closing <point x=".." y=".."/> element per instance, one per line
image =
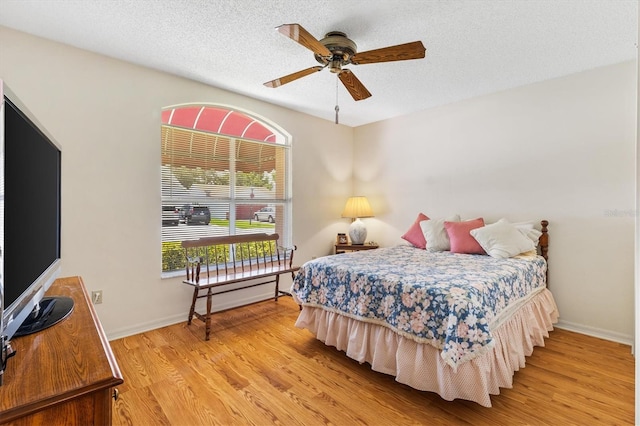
<point x="596" y="332"/>
<point x="253" y="298"/>
<point x="146" y="326"/>
<point x="182" y="317"/>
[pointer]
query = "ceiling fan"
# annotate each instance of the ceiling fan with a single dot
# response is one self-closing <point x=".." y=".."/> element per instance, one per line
<point x="336" y="50"/>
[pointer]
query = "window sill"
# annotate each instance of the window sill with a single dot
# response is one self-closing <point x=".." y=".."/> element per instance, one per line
<point x="172" y="274"/>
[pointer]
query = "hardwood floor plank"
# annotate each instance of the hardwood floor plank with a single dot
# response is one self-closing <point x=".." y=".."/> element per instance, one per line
<point x="139" y="408"/>
<point x="259" y="369"/>
<point x="215" y="391"/>
<point x="184" y="404"/>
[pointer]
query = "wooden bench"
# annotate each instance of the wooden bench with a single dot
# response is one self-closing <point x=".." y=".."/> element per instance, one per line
<point x="221" y="261"/>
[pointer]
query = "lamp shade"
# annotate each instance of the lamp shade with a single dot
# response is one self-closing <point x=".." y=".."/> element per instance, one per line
<point x="357" y="207"/>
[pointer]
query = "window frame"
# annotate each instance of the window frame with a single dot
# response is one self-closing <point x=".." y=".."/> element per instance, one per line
<point x="281" y="143"/>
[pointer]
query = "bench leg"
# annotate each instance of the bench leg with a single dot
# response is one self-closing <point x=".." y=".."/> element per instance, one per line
<point x="193" y="305"/>
<point x="277" y="286"/>
<point x="207" y="318"/>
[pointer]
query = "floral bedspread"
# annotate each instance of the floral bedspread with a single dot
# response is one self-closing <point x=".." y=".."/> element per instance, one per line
<point x="450" y="301"/>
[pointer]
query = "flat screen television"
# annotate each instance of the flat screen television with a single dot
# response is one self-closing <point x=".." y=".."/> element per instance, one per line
<point x="30" y="194"/>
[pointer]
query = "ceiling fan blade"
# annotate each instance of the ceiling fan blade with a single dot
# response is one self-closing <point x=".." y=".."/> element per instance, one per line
<point x="400" y="52"/>
<point x="298" y="34"/>
<point x="353" y="85"/>
<point x="291" y="77"/>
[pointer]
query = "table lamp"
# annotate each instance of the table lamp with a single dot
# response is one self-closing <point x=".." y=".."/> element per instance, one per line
<point x="356" y="208"/>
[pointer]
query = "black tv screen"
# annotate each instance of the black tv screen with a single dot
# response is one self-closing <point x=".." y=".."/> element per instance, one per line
<point x="32" y="203"/>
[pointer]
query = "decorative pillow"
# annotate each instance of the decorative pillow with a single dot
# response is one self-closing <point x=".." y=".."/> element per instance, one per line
<point x="435" y="234"/>
<point x="414" y="235"/>
<point x="531" y="254"/>
<point x="460" y="236"/>
<point x="528" y="230"/>
<point x="503" y="239"/>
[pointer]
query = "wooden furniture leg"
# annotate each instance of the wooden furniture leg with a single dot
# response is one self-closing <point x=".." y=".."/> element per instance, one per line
<point x="193" y="305"/>
<point x="207" y="319"/>
<point x="277" y="286"/>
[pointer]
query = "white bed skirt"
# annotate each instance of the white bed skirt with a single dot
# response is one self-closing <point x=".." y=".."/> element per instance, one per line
<point x="420" y="365"/>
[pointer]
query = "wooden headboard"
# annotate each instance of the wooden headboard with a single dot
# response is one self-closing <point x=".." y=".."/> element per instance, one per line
<point x="543" y="241"/>
<point x="543" y="244"/>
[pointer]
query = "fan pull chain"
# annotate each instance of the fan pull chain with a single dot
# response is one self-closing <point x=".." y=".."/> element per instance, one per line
<point x="337" y="108"/>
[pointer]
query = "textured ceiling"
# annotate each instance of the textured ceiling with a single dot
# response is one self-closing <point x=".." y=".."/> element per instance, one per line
<point x="473" y="47"/>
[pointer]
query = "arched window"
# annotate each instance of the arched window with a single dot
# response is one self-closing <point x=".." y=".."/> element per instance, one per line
<point x="224" y="172"/>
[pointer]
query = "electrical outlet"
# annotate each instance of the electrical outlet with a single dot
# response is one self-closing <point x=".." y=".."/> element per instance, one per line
<point x="96" y="297"/>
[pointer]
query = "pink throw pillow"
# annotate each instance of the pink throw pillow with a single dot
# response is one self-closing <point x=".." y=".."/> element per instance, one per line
<point x="460" y="236"/>
<point x="414" y="235"/>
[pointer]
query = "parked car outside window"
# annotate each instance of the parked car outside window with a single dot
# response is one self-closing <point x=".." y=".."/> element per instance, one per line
<point x="170" y="216"/>
<point x="191" y="214"/>
<point x="265" y="214"/>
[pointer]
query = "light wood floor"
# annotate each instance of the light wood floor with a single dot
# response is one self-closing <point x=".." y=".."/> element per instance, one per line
<point x="259" y="369"/>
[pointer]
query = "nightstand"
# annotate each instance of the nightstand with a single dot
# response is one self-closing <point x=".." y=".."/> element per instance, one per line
<point x="341" y="248"/>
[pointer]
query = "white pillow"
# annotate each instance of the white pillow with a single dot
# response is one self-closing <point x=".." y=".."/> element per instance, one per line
<point x="435" y="234"/>
<point x="502" y="239"/>
<point x="528" y="230"/>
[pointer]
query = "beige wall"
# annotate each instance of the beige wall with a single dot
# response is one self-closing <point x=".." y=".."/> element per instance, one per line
<point x="106" y="116"/>
<point x="562" y="150"/>
<point x="637" y="287"/>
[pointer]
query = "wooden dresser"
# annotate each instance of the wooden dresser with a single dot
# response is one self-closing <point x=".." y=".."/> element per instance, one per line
<point x="65" y="374"/>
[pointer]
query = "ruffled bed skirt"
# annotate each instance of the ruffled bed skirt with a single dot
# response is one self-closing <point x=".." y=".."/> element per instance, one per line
<point x="420" y="365"/>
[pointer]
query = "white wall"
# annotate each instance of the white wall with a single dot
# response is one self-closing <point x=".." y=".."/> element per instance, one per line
<point x="561" y="150"/>
<point x="106" y="116"/>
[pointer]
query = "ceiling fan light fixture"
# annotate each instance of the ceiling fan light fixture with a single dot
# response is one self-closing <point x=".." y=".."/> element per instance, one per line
<point x="335" y="65"/>
<point x="338" y="42"/>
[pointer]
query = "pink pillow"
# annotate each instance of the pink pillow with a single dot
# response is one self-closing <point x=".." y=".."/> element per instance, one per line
<point x="414" y="235"/>
<point x="460" y="236"/>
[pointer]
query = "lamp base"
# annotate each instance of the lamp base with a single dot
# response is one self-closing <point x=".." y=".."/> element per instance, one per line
<point x="357" y="232"/>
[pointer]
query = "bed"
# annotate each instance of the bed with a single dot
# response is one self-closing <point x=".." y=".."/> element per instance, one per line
<point x="452" y="323"/>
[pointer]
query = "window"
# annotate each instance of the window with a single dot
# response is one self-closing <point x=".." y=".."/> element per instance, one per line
<point x="224" y="172"/>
